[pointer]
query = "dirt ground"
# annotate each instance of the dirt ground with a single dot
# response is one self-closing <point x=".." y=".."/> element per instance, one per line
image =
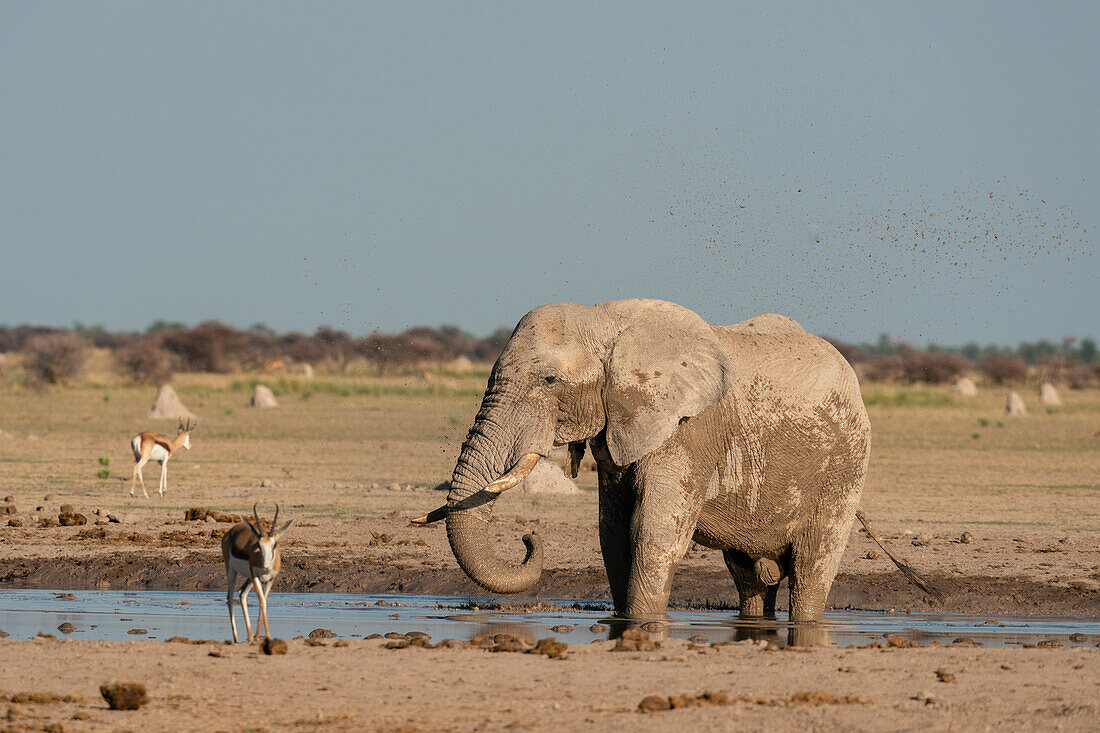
<point x="365" y="686"/>
<point x="353" y="460"/>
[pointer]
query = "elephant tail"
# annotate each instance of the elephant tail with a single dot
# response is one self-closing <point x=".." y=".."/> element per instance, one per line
<point x="912" y="575"/>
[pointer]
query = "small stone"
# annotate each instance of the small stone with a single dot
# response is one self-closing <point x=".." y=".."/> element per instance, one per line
<point x="13" y="522"/>
<point x="273" y="646"/>
<point x="395" y="635"/>
<point x="47" y="497"/>
<point x="114" y="519"/>
<point x="653" y="704"/>
<point x="124" y="695"/>
<point x="561" y="629"/>
<point x="550" y="647"/>
<point x="71" y="519"/>
<point x="944" y="675"/>
<point x="922" y="540"/>
<point x="966" y="538"/>
<point x="66" y="628"/>
<point x="634" y="640"/>
<point x="1049" y="643"/>
<point x="698" y="639"/>
<point x="395" y="487"/>
<point x="67" y="509"/>
<point x="322" y="634"/>
<point x="1078" y="638"/>
<point x="138" y="632"/>
<point x="9" y="499"/>
<point x="417" y="635"/>
<point x="267" y="484"/>
<point x="597" y="628"/>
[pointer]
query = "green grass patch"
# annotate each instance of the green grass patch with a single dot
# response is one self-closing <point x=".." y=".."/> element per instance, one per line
<point x="907" y="398"/>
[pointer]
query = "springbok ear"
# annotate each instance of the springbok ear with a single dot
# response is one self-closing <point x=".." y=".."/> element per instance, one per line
<point x="668" y="364"/>
<point x="285" y="527"/>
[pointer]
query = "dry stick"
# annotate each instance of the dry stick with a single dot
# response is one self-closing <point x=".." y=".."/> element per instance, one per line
<point x="913" y="576"/>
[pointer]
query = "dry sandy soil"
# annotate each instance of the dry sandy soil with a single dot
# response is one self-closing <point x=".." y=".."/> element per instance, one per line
<point x="358" y="457"/>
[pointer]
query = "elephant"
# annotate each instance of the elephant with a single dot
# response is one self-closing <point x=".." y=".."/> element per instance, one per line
<point x="751" y="439"/>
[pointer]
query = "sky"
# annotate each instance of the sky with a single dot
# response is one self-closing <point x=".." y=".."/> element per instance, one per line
<point x="925" y="170"/>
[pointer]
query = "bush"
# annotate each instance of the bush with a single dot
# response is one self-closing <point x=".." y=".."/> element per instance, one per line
<point x="882" y="368"/>
<point x="144" y="363"/>
<point x="206" y="347"/>
<point x="54" y="358"/>
<point x="1004" y="369"/>
<point x="931" y="368"/>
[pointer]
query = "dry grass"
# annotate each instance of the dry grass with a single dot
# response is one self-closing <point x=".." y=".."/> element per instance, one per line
<point x="326" y="445"/>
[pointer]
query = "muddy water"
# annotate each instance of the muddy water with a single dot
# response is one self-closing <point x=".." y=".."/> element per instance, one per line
<point x="111" y="615"/>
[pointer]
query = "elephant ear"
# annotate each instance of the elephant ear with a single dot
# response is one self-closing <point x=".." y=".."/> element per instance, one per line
<point x="665" y="366"/>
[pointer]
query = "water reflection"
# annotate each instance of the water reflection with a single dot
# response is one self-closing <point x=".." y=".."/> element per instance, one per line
<point x="109" y="615"/>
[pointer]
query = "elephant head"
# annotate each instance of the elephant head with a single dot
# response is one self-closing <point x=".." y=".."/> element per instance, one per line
<point x="631" y="370"/>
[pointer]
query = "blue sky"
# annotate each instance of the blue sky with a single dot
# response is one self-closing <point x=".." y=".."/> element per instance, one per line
<point x="924" y="170"/>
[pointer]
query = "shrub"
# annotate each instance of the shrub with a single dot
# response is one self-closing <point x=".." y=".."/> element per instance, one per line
<point x="931" y="367"/>
<point x="882" y="368"/>
<point x="1004" y="369"/>
<point x="206" y="347"/>
<point x="54" y="358"/>
<point x="144" y="363"/>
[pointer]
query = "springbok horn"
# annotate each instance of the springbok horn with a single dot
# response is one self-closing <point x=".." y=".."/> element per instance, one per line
<point x="274" y="522"/>
<point x="433" y="516"/>
<point x="518" y="472"/>
<point x="259" y="527"/>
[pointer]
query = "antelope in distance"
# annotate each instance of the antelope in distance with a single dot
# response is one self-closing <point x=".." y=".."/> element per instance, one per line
<point x="248" y="551"/>
<point x="156" y="447"/>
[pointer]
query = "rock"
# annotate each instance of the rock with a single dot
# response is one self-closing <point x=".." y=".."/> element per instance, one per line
<point x="964" y="388"/>
<point x="417" y="635"/>
<point x="67" y="509"/>
<point x="137" y="632"/>
<point x="1014" y="405"/>
<point x="273" y="646"/>
<point x="4" y="634"/>
<point x="8" y="509"/>
<point x="395" y="635"/>
<point x="322" y="634"/>
<point x="66" y="628"/>
<point x="561" y="629"/>
<point x="922" y="540"/>
<point x="262" y="396"/>
<point x="124" y="695"/>
<point x="597" y="628"/>
<point x="15" y="522"/>
<point x="71" y="519"/>
<point x="9" y="499"/>
<point x="944" y="675"/>
<point x="168" y="406"/>
<point x="1048" y="395"/>
<point x="634" y="640"/>
<point x="653" y="704"/>
<point x="47" y="497"/>
<point x="966" y="538"/>
<point x="115" y="519"/>
<point x="550" y="647"/>
<point x="547" y="478"/>
<point x="267" y="484"/>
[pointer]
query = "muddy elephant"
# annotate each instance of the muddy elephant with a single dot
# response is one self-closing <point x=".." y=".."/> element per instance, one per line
<point x="751" y="439"/>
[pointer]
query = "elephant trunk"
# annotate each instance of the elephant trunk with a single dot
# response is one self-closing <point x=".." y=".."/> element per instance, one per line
<point x="484" y="459"/>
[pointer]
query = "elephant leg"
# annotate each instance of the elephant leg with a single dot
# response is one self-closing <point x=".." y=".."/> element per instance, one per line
<point x="757" y="599"/>
<point x="661" y="531"/>
<point x="616" y="509"/>
<point x="815" y="559"/>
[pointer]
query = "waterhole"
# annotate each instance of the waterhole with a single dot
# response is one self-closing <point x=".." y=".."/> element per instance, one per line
<point x="113" y="615"/>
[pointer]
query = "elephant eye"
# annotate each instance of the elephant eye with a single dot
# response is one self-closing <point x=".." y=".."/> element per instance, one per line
<point x="550" y="379"/>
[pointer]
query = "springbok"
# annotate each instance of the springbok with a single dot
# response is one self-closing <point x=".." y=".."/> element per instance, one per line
<point x="248" y="551"/>
<point x="156" y="447"/>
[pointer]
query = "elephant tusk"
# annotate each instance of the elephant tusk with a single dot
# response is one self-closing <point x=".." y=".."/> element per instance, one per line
<point x="517" y="473"/>
<point x="433" y="516"/>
